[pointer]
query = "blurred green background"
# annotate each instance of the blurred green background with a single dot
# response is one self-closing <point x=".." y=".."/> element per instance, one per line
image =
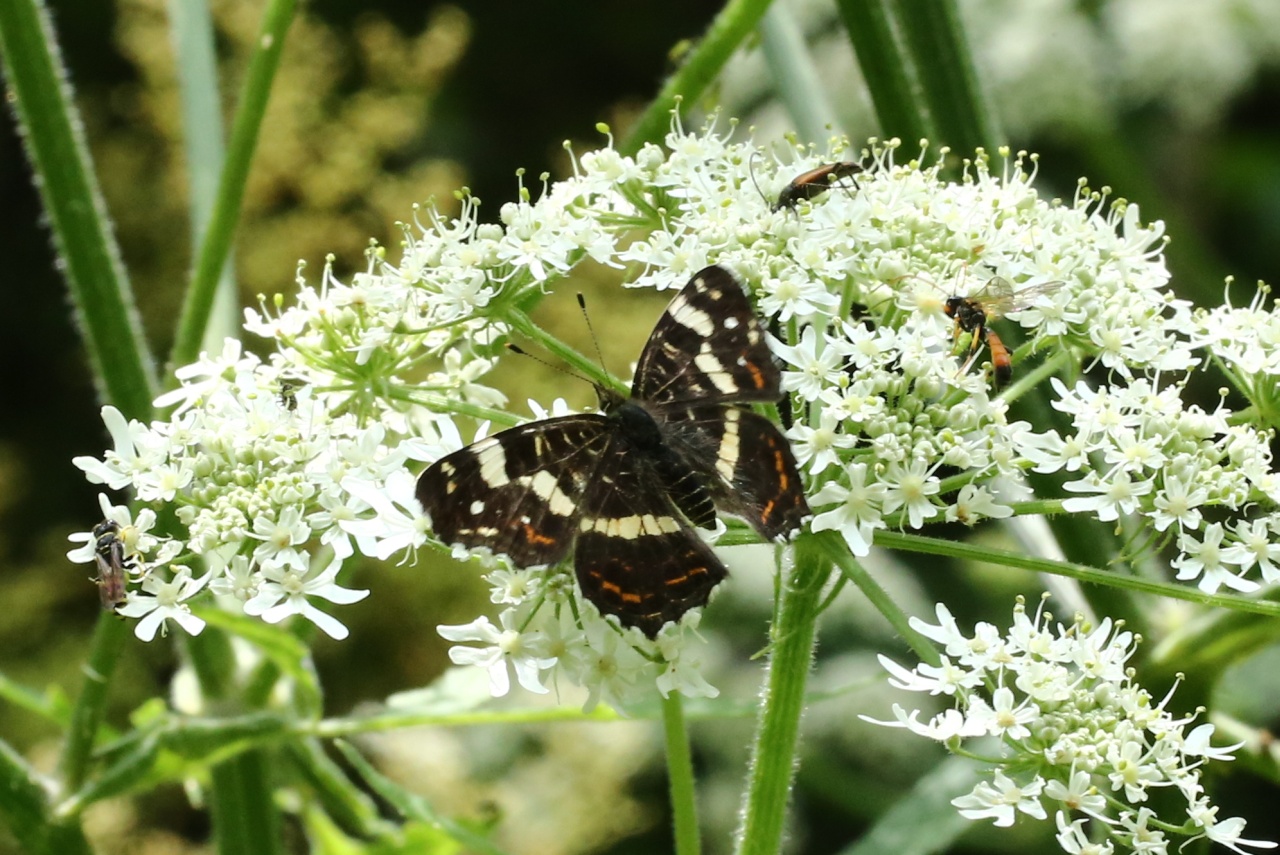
<point x="379" y="105"/>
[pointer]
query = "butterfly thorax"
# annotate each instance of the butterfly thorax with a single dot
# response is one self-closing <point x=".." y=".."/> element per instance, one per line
<point x="641" y="434"/>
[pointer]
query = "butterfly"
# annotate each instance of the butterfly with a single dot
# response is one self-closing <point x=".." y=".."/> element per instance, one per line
<point x="625" y="488"/>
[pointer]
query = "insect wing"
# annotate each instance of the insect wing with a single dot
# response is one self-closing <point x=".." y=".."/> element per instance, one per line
<point x="517" y="492"/>
<point x="708" y="346"/>
<point x="636" y="557"/>
<point x="749" y="464"/>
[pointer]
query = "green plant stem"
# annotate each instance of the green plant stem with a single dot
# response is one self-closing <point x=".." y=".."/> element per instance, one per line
<point x="226" y="212"/>
<point x="887" y="69"/>
<point x="25" y="809"/>
<point x="773" y="759"/>
<point x="837" y="551"/>
<point x="1081" y="572"/>
<point x="684" y="806"/>
<point x="795" y="77"/>
<point x="191" y="26"/>
<point x="734" y="23"/>
<point x="245" y="818"/>
<point x="524" y="325"/>
<point x="87" y="252"/>
<point x="104" y="652"/>
<point x="934" y="36"/>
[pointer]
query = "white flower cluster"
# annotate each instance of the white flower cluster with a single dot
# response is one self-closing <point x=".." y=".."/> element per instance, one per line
<point x="1075" y="734"/>
<point x="279" y="470"/>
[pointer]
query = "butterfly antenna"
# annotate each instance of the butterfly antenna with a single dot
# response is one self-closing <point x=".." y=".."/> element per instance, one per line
<point x="751" y="171"/>
<point x="595" y="342"/>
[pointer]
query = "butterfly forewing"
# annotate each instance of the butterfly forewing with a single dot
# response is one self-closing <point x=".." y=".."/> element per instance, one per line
<point x="517" y="492"/>
<point x="708" y="346"/>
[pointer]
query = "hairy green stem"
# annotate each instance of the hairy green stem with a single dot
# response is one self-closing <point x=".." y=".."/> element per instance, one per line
<point x="734" y="23"/>
<point x="684" y="807"/>
<point x="1108" y="578"/>
<point x="87" y="252"/>
<point x="773" y="758"/>
<point x="837" y="551"/>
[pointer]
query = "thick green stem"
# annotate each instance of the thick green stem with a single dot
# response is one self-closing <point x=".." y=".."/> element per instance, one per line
<point x="887" y="69"/>
<point x="108" y="642"/>
<point x="684" y="807"/>
<point x="734" y="23"/>
<point x="932" y="33"/>
<point x="87" y="251"/>
<point x="245" y="818"/>
<point x="773" y="759"/>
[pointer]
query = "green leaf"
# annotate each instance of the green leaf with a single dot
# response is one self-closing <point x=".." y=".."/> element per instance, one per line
<point x="923" y="821"/>
<point x="414" y="807"/>
<point x="282" y="648"/>
<point x="225" y="217"/>
<point x="25" y="808"/>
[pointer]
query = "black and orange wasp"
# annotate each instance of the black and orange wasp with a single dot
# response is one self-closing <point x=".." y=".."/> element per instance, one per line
<point x="815" y="182"/>
<point x="992" y="302"/>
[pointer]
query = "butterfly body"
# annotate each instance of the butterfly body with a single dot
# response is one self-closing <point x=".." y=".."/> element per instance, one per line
<point x="624" y="489"/>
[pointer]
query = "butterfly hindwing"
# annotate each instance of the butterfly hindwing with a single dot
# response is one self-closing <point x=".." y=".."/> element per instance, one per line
<point x="750" y="468"/>
<point x="636" y="556"/>
<point x="708" y="346"/>
<point x="519" y="491"/>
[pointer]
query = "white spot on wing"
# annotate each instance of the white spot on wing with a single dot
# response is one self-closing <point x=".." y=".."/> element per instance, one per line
<point x="727" y="457"/>
<point x="493" y="462"/>
<point x="546" y="487"/>
<point x="731" y="323"/>
<point x="629" y="528"/>
<point x="477" y="507"/>
<point x="707" y="363"/>
<point x="690" y="316"/>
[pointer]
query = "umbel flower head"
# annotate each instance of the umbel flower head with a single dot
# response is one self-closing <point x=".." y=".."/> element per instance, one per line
<point x="1074" y="733"/>
<point x="282" y="468"/>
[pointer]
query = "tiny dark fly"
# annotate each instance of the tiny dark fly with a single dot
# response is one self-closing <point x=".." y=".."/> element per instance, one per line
<point x="815" y="182"/>
<point x="991" y="302"/>
<point x="109" y="554"/>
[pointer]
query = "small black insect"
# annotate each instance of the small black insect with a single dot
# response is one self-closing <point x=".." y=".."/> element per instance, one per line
<point x="112" y="567"/>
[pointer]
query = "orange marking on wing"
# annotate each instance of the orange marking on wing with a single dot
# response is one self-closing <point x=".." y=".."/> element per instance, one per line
<point x="616" y="590"/>
<point x="757" y="376"/>
<point x="780" y="466"/>
<point x="767" y="510"/>
<point x="531" y="536"/>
